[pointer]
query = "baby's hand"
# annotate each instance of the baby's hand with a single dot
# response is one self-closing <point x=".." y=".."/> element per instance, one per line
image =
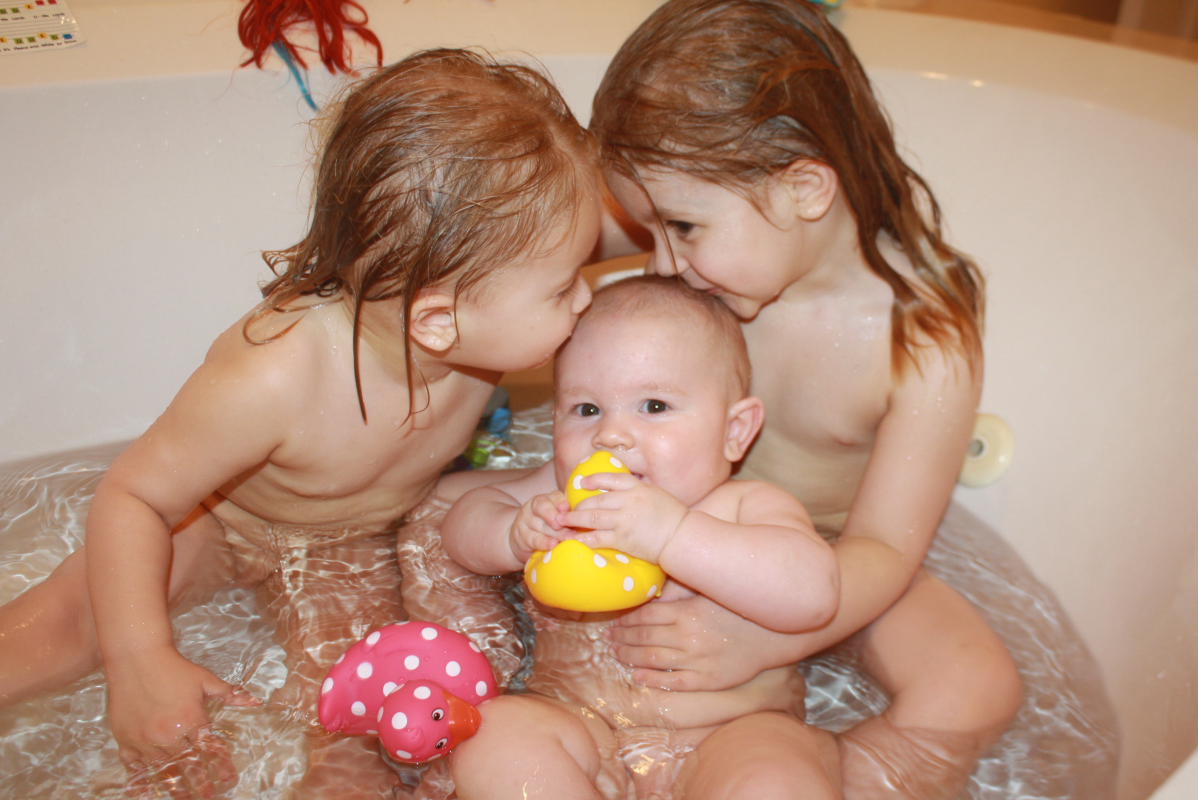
<point x="156" y="704"/>
<point x="631" y="515"/>
<point x="537" y="525"/>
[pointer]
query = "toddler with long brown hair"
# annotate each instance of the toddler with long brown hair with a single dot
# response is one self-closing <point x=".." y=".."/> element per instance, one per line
<point x="745" y="137"/>
<point x="455" y="200"/>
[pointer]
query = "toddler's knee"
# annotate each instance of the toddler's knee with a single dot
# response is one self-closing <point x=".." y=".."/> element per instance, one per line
<point x="993" y="686"/>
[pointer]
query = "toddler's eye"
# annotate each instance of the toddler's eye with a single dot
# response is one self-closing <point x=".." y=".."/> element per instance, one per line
<point x="681" y="227"/>
<point x="568" y="291"/>
<point x="655" y="406"/>
<point x="586" y="409"/>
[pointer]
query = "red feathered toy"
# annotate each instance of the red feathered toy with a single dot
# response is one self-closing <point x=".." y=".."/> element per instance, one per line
<point x="265" y="24"/>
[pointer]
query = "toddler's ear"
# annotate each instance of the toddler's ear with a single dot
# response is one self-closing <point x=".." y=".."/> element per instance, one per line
<point x="432" y="324"/>
<point x="811" y="187"/>
<point x="745" y="418"/>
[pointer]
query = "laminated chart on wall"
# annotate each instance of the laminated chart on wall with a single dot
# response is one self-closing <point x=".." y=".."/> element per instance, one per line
<point x="36" y="25"/>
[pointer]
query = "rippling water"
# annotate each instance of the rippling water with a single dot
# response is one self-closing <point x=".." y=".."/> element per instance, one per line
<point x="1063" y="744"/>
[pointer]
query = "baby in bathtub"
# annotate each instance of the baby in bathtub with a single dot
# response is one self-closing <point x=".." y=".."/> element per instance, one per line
<point x="656" y="373"/>
<point x="455" y="200"/>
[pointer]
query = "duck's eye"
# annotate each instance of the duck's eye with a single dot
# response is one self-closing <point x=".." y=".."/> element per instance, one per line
<point x="652" y="406"/>
<point x="438" y="714"/>
<point x="586" y="409"/>
<point x="442" y="743"/>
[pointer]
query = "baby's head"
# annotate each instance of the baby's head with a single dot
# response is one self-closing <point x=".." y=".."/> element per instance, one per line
<point x="658" y="374"/>
<point x="439" y="171"/>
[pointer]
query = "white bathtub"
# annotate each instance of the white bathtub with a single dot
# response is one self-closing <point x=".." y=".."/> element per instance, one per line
<point x="143" y="172"/>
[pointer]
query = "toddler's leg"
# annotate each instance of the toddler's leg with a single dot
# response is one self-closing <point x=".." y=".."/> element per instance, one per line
<point x="531" y="747"/>
<point x="436" y="589"/>
<point x="763" y="756"/>
<point x="48" y="635"/>
<point x="954" y="689"/>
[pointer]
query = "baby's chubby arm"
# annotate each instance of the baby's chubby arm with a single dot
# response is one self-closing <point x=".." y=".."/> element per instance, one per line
<point x="228" y="418"/>
<point x="493" y="529"/>
<point x="749" y="546"/>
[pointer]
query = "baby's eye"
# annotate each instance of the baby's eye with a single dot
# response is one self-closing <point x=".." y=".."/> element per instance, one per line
<point x="680" y="227"/>
<point x="655" y="406"/>
<point x="586" y="409"/>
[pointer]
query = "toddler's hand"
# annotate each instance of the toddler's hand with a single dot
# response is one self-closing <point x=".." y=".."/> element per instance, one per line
<point x="631" y="515"/>
<point x="537" y="525"/>
<point x="694" y="644"/>
<point x="156" y="704"/>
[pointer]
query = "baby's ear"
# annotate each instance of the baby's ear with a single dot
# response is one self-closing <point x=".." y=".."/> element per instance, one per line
<point x="811" y="187"/>
<point x="432" y="323"/>
<point x="745" y="418"/>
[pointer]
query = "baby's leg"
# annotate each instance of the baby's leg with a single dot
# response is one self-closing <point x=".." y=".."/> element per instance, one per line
<point x="532" y="747"/>
<point x="954" y="689"/>
<point x="48" y="634"/>
<point x="762" y="756"/>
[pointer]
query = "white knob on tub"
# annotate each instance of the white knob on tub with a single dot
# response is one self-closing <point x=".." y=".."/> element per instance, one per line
<point x="990" y="450"/>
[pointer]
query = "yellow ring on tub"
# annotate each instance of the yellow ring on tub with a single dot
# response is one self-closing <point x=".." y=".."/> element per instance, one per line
<point x="576" y="577"/>
<point x="990" y="451"/>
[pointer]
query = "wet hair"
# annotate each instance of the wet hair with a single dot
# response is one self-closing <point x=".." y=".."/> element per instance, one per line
<point x="662" y="298"/>
<point x="733" y="91"/>
<point x="434" y="170"/>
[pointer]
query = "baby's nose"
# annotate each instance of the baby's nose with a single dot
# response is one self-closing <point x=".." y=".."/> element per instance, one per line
<point x="613" y="434"/>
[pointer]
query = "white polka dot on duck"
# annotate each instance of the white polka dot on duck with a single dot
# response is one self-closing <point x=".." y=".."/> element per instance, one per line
<point x="623" y="559"/>
<point x="617" y="463"/>
<point x="327" y="686"/>
<point x="411" y="661"/>
<point x="600" y="561"/>
<point x="481" y="689"/>
<point x="652" y="591"/>
<point x="373" y="638"/>
<point x="365" y="670"/>
<point x="403" y="754"/>
<point x="577" y="481"/>
<point x="358" y="709"/>
<point x="428" y="634"/>
<point x="629" y="583"/>
<point x="453" y="669"/>
<point x="545" y="558"/>
<point x="399" y="720"/>
<point x="422" y="693"/>
<point x="389" y="687"/>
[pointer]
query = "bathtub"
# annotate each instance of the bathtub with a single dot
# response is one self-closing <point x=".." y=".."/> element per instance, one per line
<point x="144" y="172"/>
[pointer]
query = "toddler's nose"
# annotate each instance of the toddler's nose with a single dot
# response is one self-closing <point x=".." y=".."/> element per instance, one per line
<point x="582" y="295"/>
<point x="665" y="263"/>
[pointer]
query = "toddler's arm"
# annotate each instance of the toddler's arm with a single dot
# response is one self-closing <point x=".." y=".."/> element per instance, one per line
<point x="222" y="423"/>
<point x="765" y="562"/>
<point x="917" y="456"/>
<point x="493" y="529"/>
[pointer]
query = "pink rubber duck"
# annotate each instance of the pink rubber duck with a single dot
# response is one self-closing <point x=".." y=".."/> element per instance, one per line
<point x="413" y="684"/>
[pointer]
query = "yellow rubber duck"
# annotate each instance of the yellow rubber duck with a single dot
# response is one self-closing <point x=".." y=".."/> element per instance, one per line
<point x="575" y="577"/>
